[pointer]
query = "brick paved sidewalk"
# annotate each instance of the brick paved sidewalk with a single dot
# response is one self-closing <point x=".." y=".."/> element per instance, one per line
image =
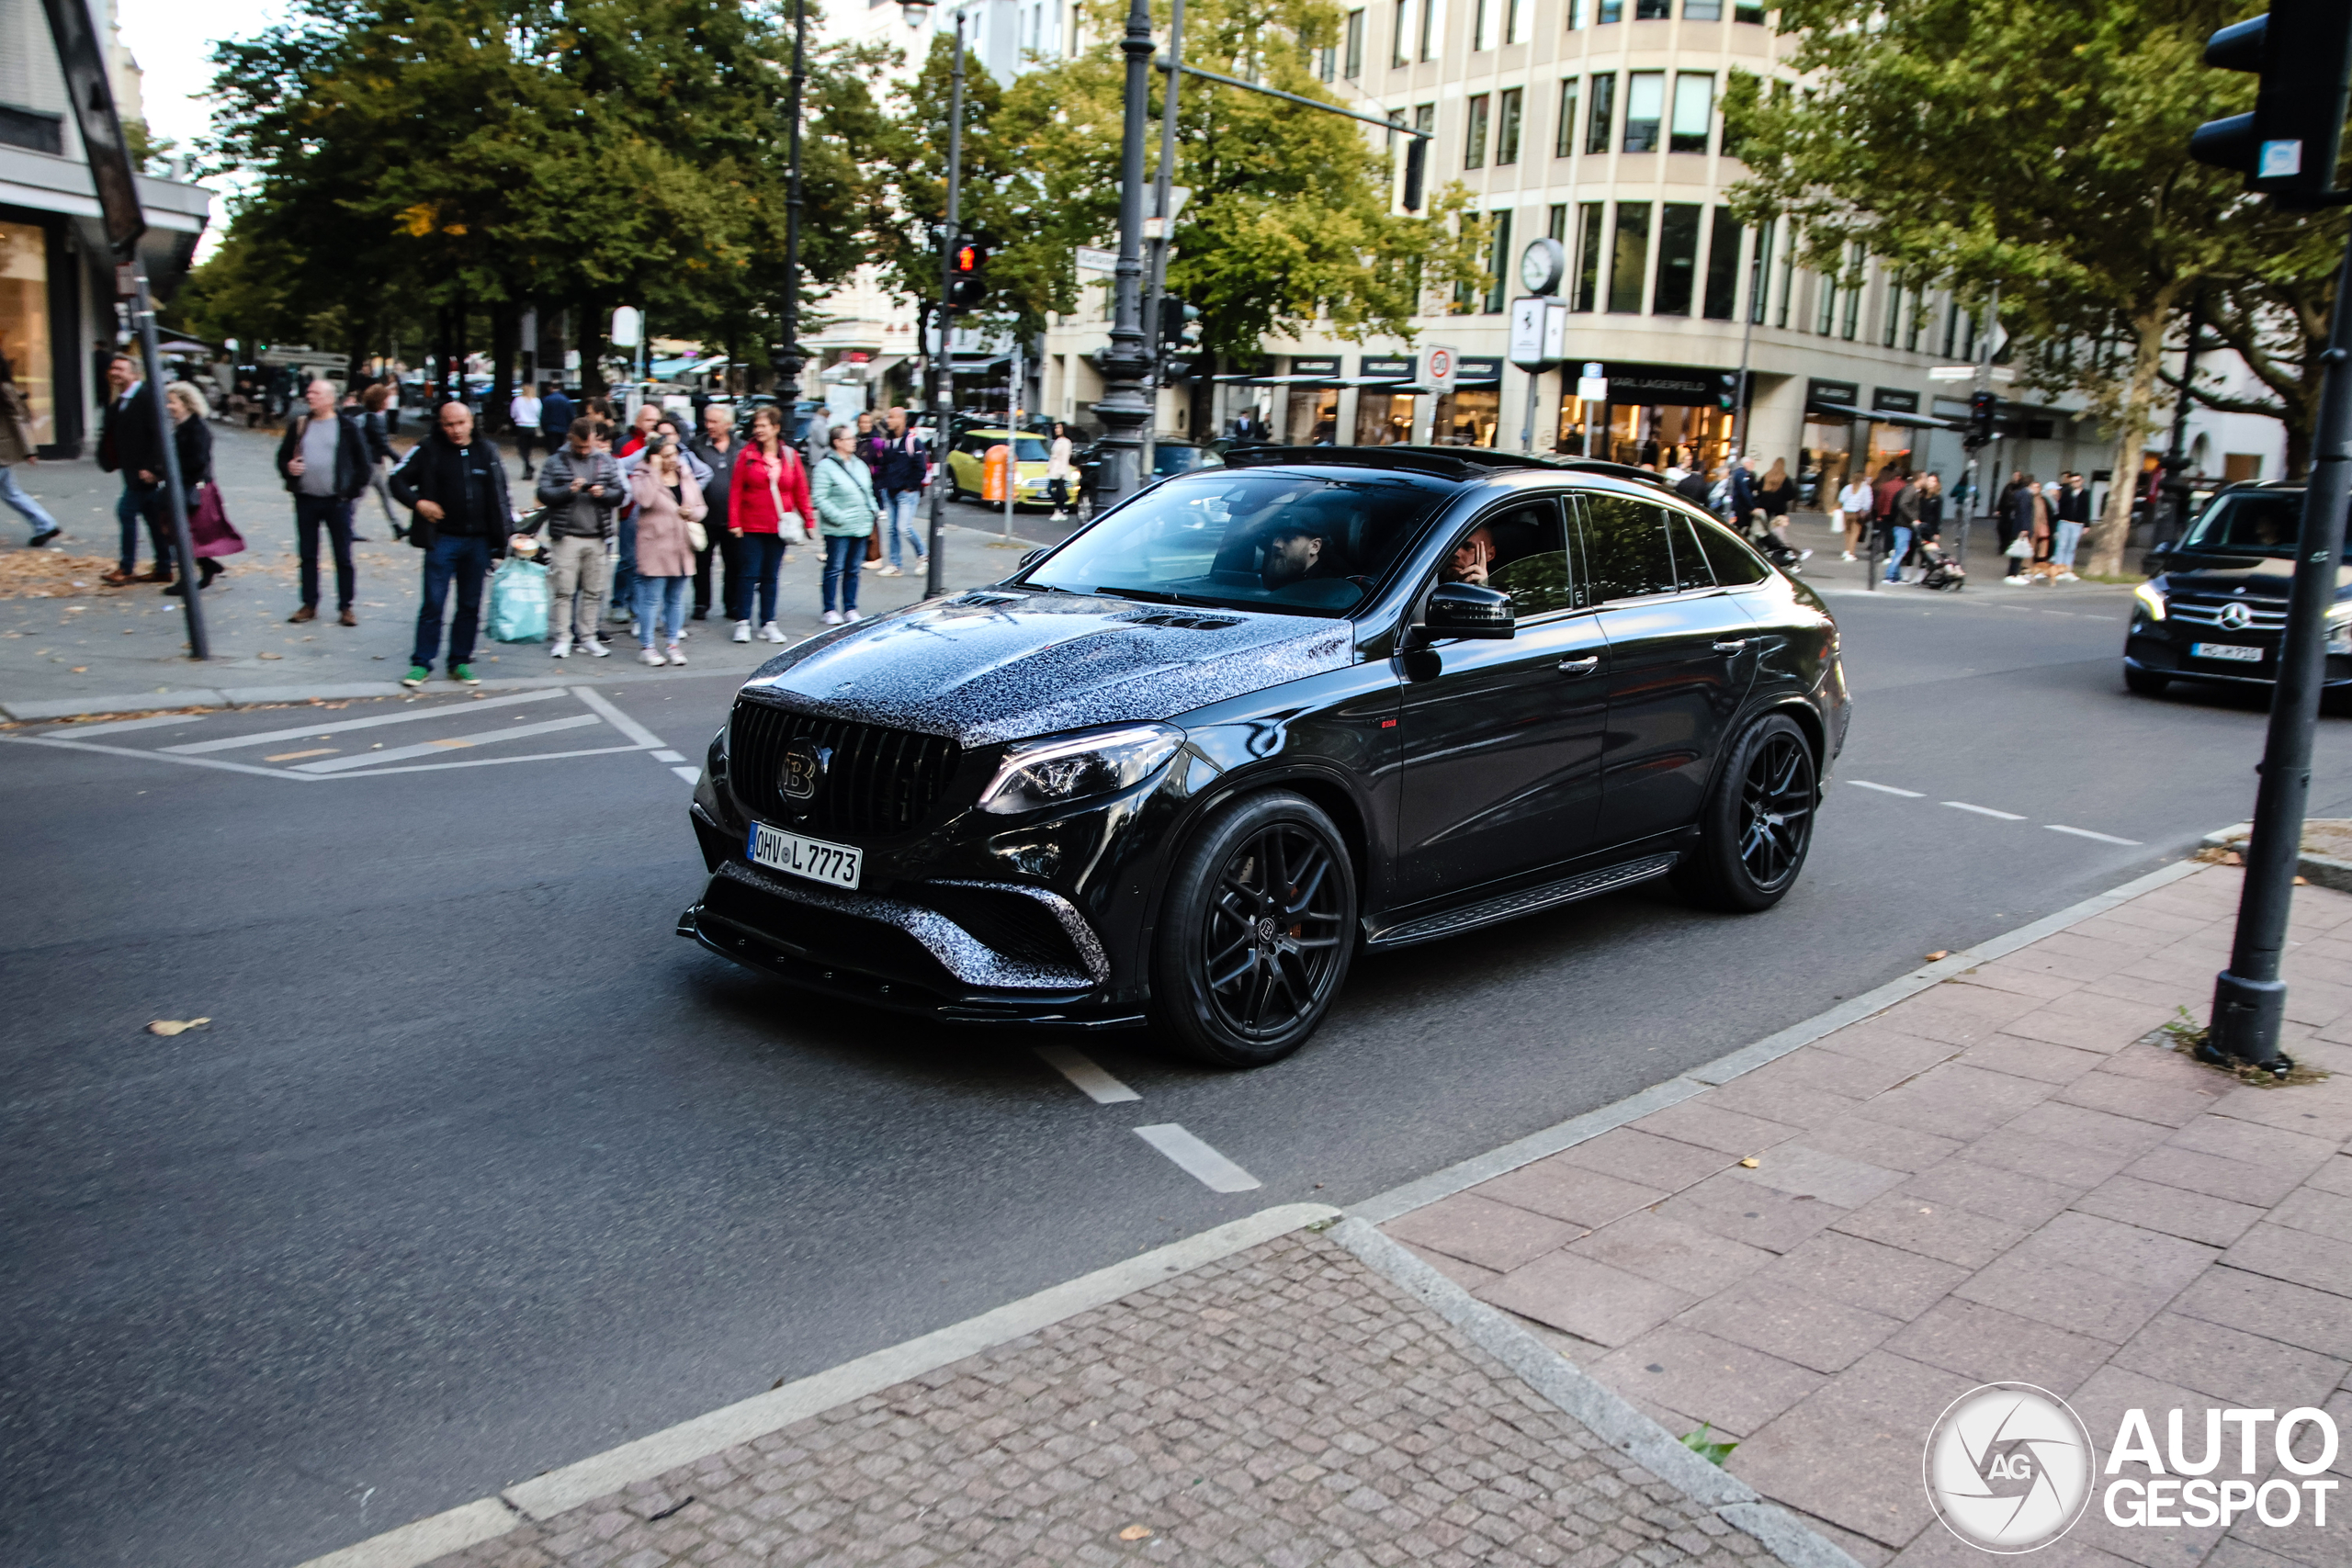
<point x="2000" y="1179"/>
<point x="1286" y="1406"/>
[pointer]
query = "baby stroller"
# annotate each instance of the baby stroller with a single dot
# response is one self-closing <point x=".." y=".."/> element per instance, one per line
<point x="1769" y="543"/>
<point x="1943" y="572"/>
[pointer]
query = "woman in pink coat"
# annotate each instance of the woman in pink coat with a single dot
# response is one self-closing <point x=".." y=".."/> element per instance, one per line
<point x="667" y="501"/>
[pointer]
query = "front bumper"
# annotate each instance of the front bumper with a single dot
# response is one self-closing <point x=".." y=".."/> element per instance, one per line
<point x="2155" y="648"/>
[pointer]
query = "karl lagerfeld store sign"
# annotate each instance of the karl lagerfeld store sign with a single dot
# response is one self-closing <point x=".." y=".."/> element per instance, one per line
<point x="1679" y="386"/>
<point x="2010" y="1468"/>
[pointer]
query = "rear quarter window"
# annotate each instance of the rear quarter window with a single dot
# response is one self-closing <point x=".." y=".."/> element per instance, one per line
<point x="1734" y="563"/>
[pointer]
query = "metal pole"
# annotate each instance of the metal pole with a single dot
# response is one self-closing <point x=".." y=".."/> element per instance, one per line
<point x="1012" y="447"/>
<point x="1740" y="414"/>
<point x="199" y="646"/>
<point x="1122" y="409"/>
<point x="788" y="367"/>
<point x="1159" y="202"/>
<point x="942" y="388"/>
<point x="1983" y="383"/>
<point x="1527" y="431"/>
<point x="2249" y="999"/>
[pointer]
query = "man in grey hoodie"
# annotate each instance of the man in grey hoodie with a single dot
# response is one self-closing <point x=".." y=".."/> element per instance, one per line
<point x="581" y="487"/>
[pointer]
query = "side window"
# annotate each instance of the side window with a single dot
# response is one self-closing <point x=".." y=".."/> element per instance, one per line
<point x="1523" y="551"/>
<point x="1734" y="562"/>
<point x="1626" y="553"/>
<point x="1691" y="569"/>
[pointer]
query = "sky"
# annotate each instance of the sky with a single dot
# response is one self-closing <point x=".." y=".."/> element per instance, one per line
<point x="172" y="41"/>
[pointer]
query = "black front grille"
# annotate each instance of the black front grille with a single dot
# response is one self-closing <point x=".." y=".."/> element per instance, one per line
<point x="874" y="781"/>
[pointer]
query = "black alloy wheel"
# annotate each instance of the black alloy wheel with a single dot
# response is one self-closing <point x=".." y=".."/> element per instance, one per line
<point x="1757" y="823"/>
<point x="1256" y="933"/>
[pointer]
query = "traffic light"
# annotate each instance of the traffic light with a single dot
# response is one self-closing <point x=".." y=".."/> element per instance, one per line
<point x="1981" y="407"/>
<point x="969" y="263"/>
<point x="1180" y="333"/>
<point x="2287" y="147"/>
<point x="1416" y="163"/>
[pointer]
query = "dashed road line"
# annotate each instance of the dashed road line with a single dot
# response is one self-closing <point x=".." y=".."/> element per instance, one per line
<point x="117" y="727"/>
<point x="669" y="756"/>
<point x="2087" y="834"/>
<point x="1983" y="810"/>
<point x="1081" y="1069"/>
<point x="1213" y="1171"/>
<point x="692" y="775"/>
<point x="1886" y="789"/>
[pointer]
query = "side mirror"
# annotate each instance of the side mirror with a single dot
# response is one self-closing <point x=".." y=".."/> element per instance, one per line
<point x="1032" y="558"/>
<point x="1466" y="610"/>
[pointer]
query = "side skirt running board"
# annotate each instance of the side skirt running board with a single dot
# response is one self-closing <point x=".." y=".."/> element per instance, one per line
<point x="1527" y="901"/>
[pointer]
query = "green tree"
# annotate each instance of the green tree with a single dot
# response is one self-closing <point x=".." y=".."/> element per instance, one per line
<point x="2039" y="146"/>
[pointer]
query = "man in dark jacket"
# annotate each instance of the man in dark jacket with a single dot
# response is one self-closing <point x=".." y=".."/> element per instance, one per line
<point x="581" y="487"/>
<point x="326" y="462"/>
<point x="456" y="487"/>
<point x="718" y="446"/>
<point x="128" y="446"/>
<point x="556" y="414"/>
<point x="899" y="470"/>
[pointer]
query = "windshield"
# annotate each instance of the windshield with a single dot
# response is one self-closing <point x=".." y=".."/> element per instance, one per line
<point x="1252" y="538"/>
<point x="1025" y="449"/>
<point x="2250" y="523"/>
<point x="1167" y="459"/>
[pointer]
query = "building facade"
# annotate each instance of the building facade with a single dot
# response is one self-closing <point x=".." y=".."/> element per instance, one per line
<point x="59" y="315"/>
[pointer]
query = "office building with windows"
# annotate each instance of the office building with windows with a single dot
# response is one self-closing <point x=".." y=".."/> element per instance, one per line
<point x="1598" y="123"/>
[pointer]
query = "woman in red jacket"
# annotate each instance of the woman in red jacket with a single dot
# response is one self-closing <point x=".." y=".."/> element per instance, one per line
<point x="768" y="509"/>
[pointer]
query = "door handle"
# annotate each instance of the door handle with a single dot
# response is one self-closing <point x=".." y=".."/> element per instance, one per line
<point x="1731" y="645"/>
<point x="1576" y="668"/>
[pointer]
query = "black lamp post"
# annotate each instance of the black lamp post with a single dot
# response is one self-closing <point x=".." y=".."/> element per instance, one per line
<point x="1123" y="407"/>
<point x="938" y="376"/>
<point x="788" y="367"/>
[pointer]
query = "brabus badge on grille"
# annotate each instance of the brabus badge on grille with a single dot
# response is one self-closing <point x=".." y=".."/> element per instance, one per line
<point x="804" y="764"/>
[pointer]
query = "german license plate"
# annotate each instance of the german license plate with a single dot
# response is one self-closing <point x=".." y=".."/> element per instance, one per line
<point x="835" y="864"/>
<point x="2226" y="651"/>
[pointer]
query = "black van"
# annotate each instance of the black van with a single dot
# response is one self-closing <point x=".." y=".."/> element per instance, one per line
<point x="1260" y="718"/>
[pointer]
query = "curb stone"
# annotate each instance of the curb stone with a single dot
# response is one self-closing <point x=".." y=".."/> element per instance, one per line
<point x="2318" y="870"/>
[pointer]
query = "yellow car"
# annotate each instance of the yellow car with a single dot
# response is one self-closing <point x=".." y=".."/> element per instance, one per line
<point x="967" y="466"/>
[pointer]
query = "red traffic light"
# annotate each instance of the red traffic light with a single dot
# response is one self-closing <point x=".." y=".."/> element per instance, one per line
<point x="970" y="259"/>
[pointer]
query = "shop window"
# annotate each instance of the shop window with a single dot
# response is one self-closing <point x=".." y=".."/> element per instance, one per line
<point x="1586" y="291"/>
<point x="1645" y="104"/>
<point x="1468" y="416"/>
<point x="1602" y="111"/>
<point x="1474" y="134"/>
<point x="1564" y="141"/>
<point x="25" y="324"/>
<point x="1507" y="122"/>
<point x="1722" y="267"/>
<point x="1762" y="273"/>
<point x="1354" y="67"/>
<point x="1625" y="551"/>
<point x="1557" y="224"/>
<point x="1702" y="10"/>
<point x="1678" y="258"/>
<point x="1694" y="112"/>
<point x="1383" y="419"/>
<point x="1629" y="266"/>
<point x="1432" y="28"/>
<point x="1402" y="36"/>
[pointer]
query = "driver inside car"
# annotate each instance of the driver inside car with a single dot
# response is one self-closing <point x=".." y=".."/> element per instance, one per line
<point x="1293" y="552"/>
<point x="1473" y="558"/>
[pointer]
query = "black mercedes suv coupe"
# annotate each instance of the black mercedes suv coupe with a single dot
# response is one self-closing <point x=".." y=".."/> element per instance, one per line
<point x="2216" y="607"/>
<point x="1256" y="720"/>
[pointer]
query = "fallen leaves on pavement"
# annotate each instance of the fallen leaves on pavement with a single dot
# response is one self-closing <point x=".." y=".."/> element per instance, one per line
<point x="170" y="1026"/>
<point x="51" y="574"/>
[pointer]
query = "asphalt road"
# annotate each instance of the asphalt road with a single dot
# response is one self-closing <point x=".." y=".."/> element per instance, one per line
<point x="477" y="1169"/>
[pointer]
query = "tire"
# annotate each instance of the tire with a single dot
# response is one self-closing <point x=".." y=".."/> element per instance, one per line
<point x="2146" y="682"/>
<point x="1757" y="827"/>
<point x="1254" y="864"/>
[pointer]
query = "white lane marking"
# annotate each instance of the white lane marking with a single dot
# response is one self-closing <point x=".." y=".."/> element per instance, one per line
<point x="329" y="724"/>
<point x="1984" y="811"/>
<point x="669" y="756"/>
<point x="454" y="743"/>
<point x="1099" y="1087"/>
<point x="1885" y="789"/>
<point x="1215" y="1172"/>
<point x="618" y="719"/>
<point x="2087" y="834"/>
<point x="117" y="726"/>
<point x="692" y="775"/>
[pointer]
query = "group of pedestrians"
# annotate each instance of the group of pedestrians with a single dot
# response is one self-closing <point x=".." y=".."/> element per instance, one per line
<point x="2041" y="526"/>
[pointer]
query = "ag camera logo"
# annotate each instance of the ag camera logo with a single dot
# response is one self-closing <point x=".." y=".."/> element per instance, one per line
<point x="2010" y="1467"/>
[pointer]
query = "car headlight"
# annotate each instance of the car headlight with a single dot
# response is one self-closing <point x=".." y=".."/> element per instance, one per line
<point x="2339" y="629"/>
<point x="2151" y="599"/>
<point x="1059" y="768"/>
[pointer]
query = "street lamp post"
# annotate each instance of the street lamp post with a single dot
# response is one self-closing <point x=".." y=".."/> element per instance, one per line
<point x="788" y="367"/>
<point x="1161" y="192"/>
<point x="938" y="380"/>
<point x="1123" y="408"/>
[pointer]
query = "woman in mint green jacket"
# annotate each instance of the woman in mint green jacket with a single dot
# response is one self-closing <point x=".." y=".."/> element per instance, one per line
<point x="843" y="492"/>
